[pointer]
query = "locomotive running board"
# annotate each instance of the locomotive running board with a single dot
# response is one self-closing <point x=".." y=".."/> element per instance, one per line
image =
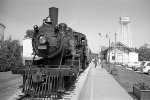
<point x="46" y="71"/>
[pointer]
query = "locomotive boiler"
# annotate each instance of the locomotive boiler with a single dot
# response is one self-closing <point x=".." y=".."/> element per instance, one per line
<point x="63" y="56"/>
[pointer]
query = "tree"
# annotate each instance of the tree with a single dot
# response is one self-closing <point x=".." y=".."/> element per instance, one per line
<point x="10" y="54"/>
<point x="144" y="52"/>
<point x="29" y="33"/>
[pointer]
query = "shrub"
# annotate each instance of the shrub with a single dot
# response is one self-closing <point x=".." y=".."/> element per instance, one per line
<point x="142" y="86"/>
<point x="10" y="54"/>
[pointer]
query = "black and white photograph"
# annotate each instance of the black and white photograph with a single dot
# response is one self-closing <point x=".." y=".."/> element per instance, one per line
<point x="74" y="49"/>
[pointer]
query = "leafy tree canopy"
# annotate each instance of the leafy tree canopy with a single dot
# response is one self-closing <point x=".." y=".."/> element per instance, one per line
<point x="29" y="33"/>
<point x="10" y="54"/>
<point x="144" y="52"/>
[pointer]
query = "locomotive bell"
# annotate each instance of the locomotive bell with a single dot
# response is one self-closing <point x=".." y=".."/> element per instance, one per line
<point x="48" y="20"/>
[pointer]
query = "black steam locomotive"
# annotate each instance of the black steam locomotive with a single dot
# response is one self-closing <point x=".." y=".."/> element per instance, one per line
<point x="64" y="55"/>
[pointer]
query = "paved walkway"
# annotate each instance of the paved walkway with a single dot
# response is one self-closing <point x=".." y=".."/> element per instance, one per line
<point x="100" y="85"/>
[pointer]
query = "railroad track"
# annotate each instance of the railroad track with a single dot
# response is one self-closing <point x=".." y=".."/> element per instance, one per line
<point x="71" y="94"/>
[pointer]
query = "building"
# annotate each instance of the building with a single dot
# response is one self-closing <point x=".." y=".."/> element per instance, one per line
<point x="122" y="54"/>
<point x="28" y="51"/>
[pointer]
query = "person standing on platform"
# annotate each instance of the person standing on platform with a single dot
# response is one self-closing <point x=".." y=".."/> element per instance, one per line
<point x="95" y="61"/>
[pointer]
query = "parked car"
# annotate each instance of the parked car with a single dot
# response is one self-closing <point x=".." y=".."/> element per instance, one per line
<point x="146" y="67"/>
<point x="123" y="64"/>
<point x="131" y="64"/>
<point x="142" y="64"/>
<point x="137" y="66"/>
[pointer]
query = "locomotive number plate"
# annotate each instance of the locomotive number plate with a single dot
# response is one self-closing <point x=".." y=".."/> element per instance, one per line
<point x="42" y="47"/>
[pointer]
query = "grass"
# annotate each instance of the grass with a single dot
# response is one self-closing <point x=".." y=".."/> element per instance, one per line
<point x="127" y="78"/>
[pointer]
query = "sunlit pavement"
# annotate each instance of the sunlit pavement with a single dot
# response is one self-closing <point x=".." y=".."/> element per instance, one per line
<point x="101" y="85"/>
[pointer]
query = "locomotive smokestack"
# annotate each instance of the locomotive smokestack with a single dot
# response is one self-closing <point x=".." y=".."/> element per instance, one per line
<point x="53" y="13"/>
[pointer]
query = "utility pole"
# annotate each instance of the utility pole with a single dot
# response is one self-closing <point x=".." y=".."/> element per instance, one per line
<point x="114" y="70"/>
<point x="108" y="36"/>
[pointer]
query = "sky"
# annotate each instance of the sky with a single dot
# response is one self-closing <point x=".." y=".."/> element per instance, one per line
<point x="89" y="17"/>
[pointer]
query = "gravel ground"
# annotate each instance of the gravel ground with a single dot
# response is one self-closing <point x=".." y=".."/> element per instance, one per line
<point x="9" y="84"/>
<point x="128" y="77"/>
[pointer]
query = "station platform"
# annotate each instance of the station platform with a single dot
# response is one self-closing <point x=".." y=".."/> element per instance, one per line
<point x="100" y="85"/>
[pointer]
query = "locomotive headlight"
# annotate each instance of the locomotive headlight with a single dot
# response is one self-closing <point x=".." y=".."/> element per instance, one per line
<point x="42" y="39"/>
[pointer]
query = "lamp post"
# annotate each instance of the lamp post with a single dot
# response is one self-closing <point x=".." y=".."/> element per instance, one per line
<point x="100" y="47"/>
<point x="108" y="48"/>
<point x="113" y="70"/>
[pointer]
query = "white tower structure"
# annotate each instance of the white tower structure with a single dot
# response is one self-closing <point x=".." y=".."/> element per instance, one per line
<point x="125" y="31"/>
